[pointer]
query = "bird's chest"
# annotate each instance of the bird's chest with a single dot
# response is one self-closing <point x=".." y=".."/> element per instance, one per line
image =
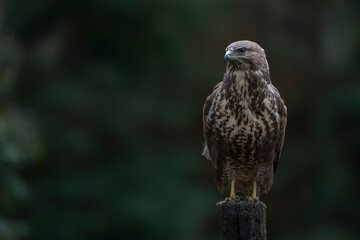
<point x="240" y="122"/>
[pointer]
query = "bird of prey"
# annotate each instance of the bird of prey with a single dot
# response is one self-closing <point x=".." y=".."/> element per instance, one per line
<point x="244" y="121"/>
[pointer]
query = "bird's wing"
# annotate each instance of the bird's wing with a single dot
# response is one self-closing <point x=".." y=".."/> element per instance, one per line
<point x="278" y="149"/>
<point x="282" y="111"/>
<point x="210" y="148"/>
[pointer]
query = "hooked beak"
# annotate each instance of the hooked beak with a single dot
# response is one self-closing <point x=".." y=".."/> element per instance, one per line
<point x="227" y="56"/>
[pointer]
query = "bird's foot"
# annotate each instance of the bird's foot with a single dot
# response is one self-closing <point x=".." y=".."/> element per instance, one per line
<point x="229" y="199"/>
<point x="234" y="198"/>
<point x="222" y="202"/>
<point x="251" y="199"/>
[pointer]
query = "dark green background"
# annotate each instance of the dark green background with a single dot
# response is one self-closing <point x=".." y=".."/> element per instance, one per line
<point x="101" y="107"/>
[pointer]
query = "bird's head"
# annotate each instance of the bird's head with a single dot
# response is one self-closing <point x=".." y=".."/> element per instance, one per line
<point x="245" y="55"/>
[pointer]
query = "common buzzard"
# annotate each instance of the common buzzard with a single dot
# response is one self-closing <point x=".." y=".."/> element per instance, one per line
<point x="244" y="121"/>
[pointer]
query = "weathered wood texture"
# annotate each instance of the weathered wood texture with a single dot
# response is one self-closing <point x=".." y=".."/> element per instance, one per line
<point x="244" y="220"/>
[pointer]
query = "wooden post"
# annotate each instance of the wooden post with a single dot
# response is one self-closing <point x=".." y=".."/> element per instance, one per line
<point x="244" y="220"/>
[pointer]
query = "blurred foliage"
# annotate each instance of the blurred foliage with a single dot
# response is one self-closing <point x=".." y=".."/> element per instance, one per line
<point x="20" y="145"/>
<point x="100" y="118"/>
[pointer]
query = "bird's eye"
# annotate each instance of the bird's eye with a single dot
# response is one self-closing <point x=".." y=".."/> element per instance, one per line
<point x="242" y="50"/>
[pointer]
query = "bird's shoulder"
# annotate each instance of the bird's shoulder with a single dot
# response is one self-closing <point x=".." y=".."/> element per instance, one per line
<point x="209" y="100"/>
<point x="274" y="97"/>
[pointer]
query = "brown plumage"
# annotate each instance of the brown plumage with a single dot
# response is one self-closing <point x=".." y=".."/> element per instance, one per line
<point x="244" y="122"/>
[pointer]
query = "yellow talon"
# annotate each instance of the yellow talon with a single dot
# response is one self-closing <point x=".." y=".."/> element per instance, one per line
<point x="232" y="197"/>
<point x="232" y="192"/>
<point x="253" y="195"/>
<point x="221" y="203"/>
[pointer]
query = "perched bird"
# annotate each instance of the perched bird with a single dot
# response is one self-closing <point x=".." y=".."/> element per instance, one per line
<point x="244" y="121"/>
